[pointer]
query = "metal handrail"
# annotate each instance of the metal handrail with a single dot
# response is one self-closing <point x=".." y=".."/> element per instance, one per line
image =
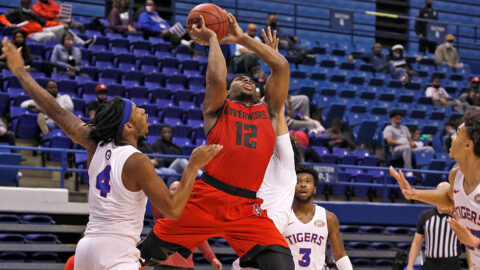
<point x="65" y="169"/>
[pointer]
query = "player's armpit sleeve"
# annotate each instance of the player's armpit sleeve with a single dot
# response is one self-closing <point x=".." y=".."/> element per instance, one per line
<point x="284" y="151"/>
<point x="344" y="263"/>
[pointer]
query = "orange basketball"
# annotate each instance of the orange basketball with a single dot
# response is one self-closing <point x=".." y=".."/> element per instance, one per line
<point x="215" y="18"/>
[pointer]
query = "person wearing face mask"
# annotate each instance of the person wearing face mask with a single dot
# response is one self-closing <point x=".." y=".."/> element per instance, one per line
<point x="375" y="57"/>
<point x="245" y="59"/>
<point x="421" y="27"/>
<point x="50" y="11"/>
<point x="440" y="97"/>
<point x="119" y="20"/>
<point x="101" y="91"/>
<point x="400" y="141"/>
<point x="446" y="54"/>
<point x="152" y="25"/>
<point x="399" y="68"/>
<point x="471" y="98"/>
<point x="18" y="39"/>
<point x="67" y="58"/>
<point x="44" y="122"/>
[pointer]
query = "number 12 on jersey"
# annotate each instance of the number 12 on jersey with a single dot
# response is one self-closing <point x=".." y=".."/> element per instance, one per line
<point x="305" y="261"/>
<point x="103" y="181"/>
<point x="251" y="133"/>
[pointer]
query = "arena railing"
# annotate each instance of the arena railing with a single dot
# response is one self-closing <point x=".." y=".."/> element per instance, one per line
<point x="328" y="173"/>
<point x="259" y="17"/>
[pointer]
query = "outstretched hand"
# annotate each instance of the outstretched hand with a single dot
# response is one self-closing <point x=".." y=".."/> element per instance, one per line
<point x="235" y="33"/>
<point x="463" y="233"/>
<point x="203" y="154"/>
<point x="271" y="40"/>
<point x="14" y="58"/>
<point x="201" y="34"/>
<point x="407" y="191"/>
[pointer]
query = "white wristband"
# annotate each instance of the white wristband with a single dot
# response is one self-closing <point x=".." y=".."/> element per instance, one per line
<point x="344" y="263"/>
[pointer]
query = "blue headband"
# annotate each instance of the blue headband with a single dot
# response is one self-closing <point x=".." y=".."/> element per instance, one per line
<point x="127" y="111"/>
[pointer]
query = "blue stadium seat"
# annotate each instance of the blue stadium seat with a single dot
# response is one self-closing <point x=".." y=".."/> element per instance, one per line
<point x="4" y="98"/>
<point x="37" y="219"/>
<point x="169" y="65"/>
<point x="109" y="76"/>
<point x="133" y="78"/>
<point x="372" y="229"/>
<point x="327" y="157"/>
<point x="67" y="86"/>
<point x="334" y="111"/>
<point x="381" y="245"/>
<point x="42" y="238"/>
<point x="13" y="257"/>
<point x="365" y="132"/>
<point x="196" y="83"/>
<point x="25" y="125"/>
<point x="398" y="230"/>
<point x="357" y="245"/>
<point x="158" y="93"/>
<point x="116" y="90"/>
<point x="9" y="219"/>
<point x="56" y="139"/>
<point x="171" y="112"/>
<point x="44" y="257"/>
<point x="137" y="92"/>
<point x="361" y="262"/>
<point x="12" y="238"/>
<point x="155" y="80"/>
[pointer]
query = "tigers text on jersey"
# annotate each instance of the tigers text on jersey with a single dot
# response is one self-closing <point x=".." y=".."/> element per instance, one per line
<point x="467" y="208"/>
<point x="308" y="241"/>
<point x="113" y="209"/>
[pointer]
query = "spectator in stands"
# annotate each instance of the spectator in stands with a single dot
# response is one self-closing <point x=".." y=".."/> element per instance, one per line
<point x="151" y="24"/>
<point x="244" y="59"/>
<point x="50" y="11"/>
<point x="400" y="141"/>
<point x="291" y="44"/>
<point x="301" y="141"/>
<point x="471" y="99"/>
<point x="101" y="91"/>
<point x="450" y="129"/>
<point x="297" y="120"/>
<point x="375" y="58"/>
<point x="67" y="58"/>
<point x="119" y="20"/>
<point x="165" y="146"/>
<point x="36" y="27"/>
<point x="6" y="136"/>
<point x="440" y="97"/>
<point x="421" y="27"/>
<point x="144" y="147"/>
<point x="338" y="136"/>
<point x="420" y="139"/>
<point x="475" y="83"/>
<point x="176" y="261"/>
<point x="399" y="68"/>
<point x="442" y="249"/>
<point x="18" y="39"/>
<point x="446" y="54"/>
<point x="44" y="123"/>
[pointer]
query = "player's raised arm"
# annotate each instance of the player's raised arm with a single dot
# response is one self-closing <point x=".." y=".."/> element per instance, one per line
<point x="216" y="78"/>
<point x="442" y="196"/>
<point x="276" y="88"/>
<point x="336" y="242"/>
<point x="138" y="169"/>
<point x="67" y="121"/>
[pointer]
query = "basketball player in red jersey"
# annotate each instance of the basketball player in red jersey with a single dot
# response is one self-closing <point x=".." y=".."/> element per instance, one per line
<point x="223" y="202"/>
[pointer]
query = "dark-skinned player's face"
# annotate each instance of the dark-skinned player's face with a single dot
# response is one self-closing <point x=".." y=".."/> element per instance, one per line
<point x="305" y="188"/>
<point x="139" y="119"/>
<point x="243" y="89"/>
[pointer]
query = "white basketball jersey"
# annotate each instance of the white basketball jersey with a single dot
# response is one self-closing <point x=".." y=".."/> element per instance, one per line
<point x="278" y="186"/>
<point x="308" y="241"/>
<point x="114" y="210"/>
<point x="468" y="211"/>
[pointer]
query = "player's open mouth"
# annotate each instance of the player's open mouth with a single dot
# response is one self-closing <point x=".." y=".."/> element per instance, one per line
<point x="248" y="86"/>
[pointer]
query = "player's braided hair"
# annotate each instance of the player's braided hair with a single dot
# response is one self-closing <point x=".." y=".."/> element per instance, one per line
<point x="472" y="124"/>
<point x="106" y="121"/>
<point x="311" y="171"/>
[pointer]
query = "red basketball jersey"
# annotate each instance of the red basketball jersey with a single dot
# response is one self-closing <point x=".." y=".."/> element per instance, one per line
<point x="248" y="140"/>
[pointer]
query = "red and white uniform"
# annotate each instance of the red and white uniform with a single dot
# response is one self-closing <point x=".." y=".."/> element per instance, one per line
<point x="248" y="142"/>
<point x="468" y="211"/>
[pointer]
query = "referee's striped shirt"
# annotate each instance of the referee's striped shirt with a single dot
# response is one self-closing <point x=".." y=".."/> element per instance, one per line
<point x="440" y="240"/>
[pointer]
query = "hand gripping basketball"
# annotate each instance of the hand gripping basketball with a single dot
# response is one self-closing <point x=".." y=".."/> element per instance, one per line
<point x="200" y="33"/>
<point x="234" y="33"/>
